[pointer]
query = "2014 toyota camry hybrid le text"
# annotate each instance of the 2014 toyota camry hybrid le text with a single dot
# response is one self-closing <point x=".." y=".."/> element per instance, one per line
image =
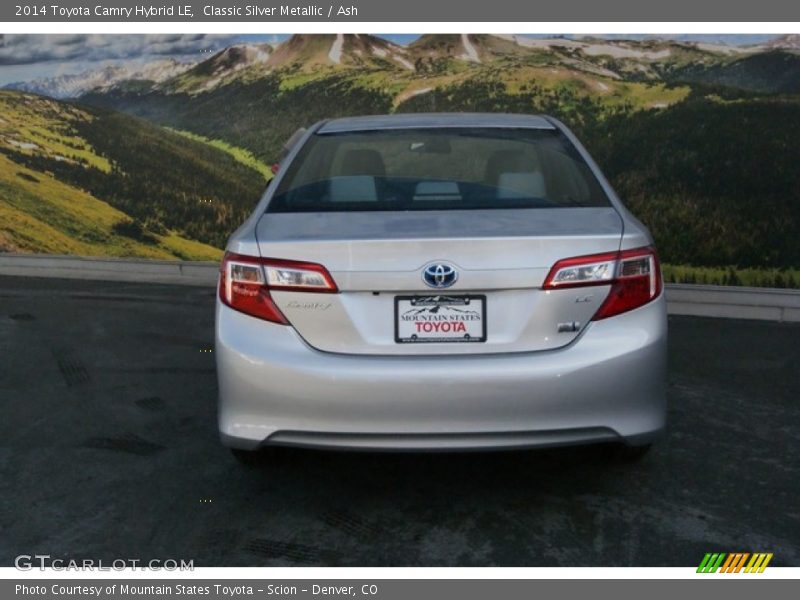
<point x="440" y="281"/>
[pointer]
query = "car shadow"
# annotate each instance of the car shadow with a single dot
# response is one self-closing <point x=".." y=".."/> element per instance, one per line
<point x="445" y="471"/>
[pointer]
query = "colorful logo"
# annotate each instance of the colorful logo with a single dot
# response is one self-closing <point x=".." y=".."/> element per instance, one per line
<point x="734" y="562"/>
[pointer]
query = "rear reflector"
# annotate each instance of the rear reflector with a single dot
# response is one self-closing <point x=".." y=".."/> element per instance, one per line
<point x="634" y="276"/>
<point x="245" y="283"/>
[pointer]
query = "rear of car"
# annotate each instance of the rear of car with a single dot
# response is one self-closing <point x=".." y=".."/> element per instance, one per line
<point x="440" y="282"/>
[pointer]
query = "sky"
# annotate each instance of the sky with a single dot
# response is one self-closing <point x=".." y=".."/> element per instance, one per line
<point x="28" y="57"/>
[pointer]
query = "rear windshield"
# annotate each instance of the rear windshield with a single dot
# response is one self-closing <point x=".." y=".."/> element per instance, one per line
<point x="437" y="169"/>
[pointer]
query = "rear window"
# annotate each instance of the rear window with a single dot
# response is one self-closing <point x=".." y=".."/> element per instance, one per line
<point x="437" y="169"/>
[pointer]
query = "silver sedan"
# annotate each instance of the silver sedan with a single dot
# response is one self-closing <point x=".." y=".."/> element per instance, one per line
<point x="440" y="281"/>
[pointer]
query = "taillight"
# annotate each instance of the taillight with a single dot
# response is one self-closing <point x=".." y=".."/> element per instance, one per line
<point x="634" y="276"/>
<point x="245" y="283"/>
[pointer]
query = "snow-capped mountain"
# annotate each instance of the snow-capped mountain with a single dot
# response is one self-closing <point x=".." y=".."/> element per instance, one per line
<point x="301" y="52"/>
<point x="341" y="49"/>
<point x="219" y="68"/>
<point x="785" y="42"/>
<point x="429" y="55"/>
<point x="77" y="84"/>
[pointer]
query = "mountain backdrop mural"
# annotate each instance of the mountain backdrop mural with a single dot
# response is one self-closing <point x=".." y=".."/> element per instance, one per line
<point x="163" y="158"/>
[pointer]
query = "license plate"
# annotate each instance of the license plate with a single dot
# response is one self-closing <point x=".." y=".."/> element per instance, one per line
<point x="439" y="319"/>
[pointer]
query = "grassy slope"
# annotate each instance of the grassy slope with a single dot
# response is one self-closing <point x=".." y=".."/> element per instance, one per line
<point x="751" y="277"/>
<point x="41" y="214"/>
<point x="41" y="211"/>
<point x="33" y="125"/>
<point x="240" y="154"/>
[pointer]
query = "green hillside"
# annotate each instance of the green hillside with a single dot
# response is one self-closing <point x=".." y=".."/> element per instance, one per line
<point x="769" y="72"/>
<point x="159" y="193"/>
<point x="699" y="140"/>
<point x="240" y="154"/>
<point x="716" y="181"/>
<point x="38" y="213"/>
<point x="260" y="115"/>
<point x="259" y="109"/>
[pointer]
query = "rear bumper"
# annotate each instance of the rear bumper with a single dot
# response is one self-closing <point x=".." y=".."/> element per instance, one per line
<point x="609" y="384"/>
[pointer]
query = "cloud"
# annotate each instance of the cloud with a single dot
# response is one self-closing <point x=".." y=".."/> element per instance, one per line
<point x="31" y="49"/>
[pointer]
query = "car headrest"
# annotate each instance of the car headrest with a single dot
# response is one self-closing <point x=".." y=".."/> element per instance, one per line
<point x="505" y="161"/>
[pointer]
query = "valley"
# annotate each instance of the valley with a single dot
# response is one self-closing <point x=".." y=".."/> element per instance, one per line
<point x="699" y="139"/>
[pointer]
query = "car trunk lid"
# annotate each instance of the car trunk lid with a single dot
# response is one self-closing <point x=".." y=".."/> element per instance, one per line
<point x="501" y="258"/>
